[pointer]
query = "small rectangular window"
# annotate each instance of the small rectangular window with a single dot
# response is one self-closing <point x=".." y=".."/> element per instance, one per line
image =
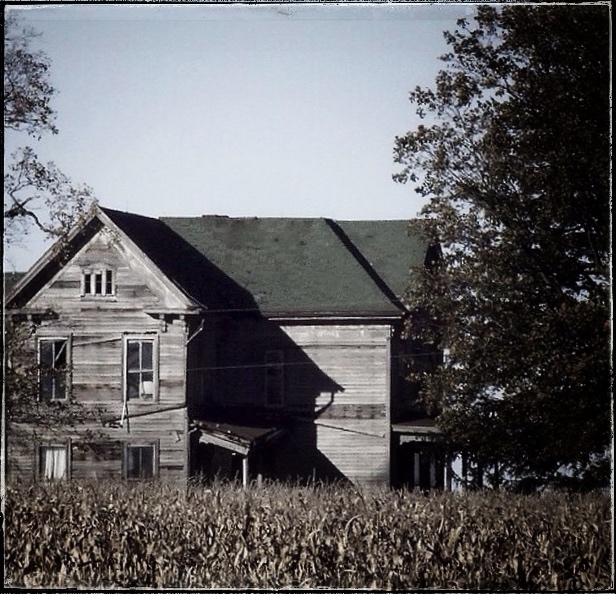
<point x="140" y="376"/>
<point x="53" y="462"/>
<point x="274" y="378"/>
<point x="53" y="368"/>
<point x="140" y="461"/>
<point x="98" y="282"/>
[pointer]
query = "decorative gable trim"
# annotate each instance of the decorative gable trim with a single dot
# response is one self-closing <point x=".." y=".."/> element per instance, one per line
<point x="61" y="252"/>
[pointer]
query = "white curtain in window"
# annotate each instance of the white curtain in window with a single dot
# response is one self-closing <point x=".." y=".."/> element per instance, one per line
<point x="54" y="462"/>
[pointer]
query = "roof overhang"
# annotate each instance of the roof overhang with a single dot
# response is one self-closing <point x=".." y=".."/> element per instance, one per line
<point x="424" y="429"/>
<point x="333" y="317"/>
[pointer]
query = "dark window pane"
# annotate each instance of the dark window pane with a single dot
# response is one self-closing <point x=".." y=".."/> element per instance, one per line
<point x="147" y="355"/>
<point x="87" y="282"/>
<point x="147" y="462"/>
<point x="46" y="349"/>
<point x="59" y="348"/>
<point x="140" y="461"/>
<point x="46" y="384"/>
<point x="132" y="462"/>
<point x="133" y="359"/>
<point x="98" y="283"/>
<point x="109" y="283"/>
<point x="54" y="361"/>
<point x="59" y="386"/>
<point x="132" y="385"/>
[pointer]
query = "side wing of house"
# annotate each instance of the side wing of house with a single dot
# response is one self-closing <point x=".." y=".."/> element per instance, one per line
<point x="108" y="335"/>
<point x="321" y="386"/>
<point x="312" y="358"/>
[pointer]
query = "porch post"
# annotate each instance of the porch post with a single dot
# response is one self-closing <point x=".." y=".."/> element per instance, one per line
<point x="245" y="471"/>
<point x="432" y="469"/>
<point x="448" y="471"/>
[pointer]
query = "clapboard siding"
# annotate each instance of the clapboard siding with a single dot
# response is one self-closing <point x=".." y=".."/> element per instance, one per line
<point x="96" y="451"/>
<point x="137" y="284"/>
<point x="356" y="358"/>
<point x="340" y="371"/>
<point x="97" y="327"/>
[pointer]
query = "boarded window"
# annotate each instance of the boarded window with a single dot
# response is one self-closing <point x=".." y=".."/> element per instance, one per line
<point x="140" y="461"/>
<point x="140" y="378"/>
<point x="53" y="462"/>
<point x="53" y="362"/>
<point x="98" y="282"/>
<point x="274" y="378"/>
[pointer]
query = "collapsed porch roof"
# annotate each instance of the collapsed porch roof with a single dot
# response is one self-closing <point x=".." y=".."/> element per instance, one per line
<point x="241" y="439"/>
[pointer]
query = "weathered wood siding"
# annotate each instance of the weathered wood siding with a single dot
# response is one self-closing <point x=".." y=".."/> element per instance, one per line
<point x="340" y="371"/>
<point x="97" y="452"/>
<point x="97" y="327"/>
<point x="352" y="432"/>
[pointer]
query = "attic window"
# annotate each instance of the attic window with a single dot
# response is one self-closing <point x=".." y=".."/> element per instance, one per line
<point x="97" y="282"/>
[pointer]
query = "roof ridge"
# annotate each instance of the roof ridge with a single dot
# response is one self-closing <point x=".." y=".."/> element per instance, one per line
<point x="363" y="262"/>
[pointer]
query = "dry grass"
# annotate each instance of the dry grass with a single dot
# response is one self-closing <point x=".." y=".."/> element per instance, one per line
<point x="144" y="535"/>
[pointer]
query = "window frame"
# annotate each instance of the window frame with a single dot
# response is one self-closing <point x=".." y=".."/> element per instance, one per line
<point x="41" y="447"/>
<point x="89" y="280"/>
<point x="66" y="373"/>
<point x="274" y="372"/>
<point x="153" y="338"/>
<point x="127" y="446"/>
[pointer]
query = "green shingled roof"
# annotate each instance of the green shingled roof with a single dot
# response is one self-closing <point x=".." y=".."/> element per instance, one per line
<point x="294" y="266"/>
<point x="389" y="248"/>
<point x="275" y="266"/>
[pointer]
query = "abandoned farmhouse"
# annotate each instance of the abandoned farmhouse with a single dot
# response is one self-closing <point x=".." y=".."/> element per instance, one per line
<point x="238" y="347"/>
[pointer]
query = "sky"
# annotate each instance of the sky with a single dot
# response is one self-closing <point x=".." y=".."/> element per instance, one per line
<point x="281" y="110"/>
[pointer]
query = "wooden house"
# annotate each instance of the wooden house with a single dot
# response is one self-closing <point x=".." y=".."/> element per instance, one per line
<point x="238" y="347"/>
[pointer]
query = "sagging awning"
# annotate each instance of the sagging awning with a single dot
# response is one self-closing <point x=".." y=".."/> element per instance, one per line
<point x="241" y="439"/>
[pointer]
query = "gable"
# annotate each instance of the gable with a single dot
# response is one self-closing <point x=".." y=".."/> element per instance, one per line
<point x="58" y="277"/>
<point x="132" y="279"/>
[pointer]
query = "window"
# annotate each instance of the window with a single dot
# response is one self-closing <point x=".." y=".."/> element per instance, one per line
<point x="274" y="378"/>
<point x="53" y="366"/>
<point x="140" y="376"/>
<point x="97" y="282"/>
<point x="140" y="461"/>
<point x="54" y="462"/>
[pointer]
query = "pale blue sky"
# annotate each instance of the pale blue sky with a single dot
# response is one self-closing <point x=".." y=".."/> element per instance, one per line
<point x="287" y="110"/>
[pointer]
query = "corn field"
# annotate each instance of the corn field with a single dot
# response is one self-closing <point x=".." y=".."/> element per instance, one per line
<point x="140" y="535"/>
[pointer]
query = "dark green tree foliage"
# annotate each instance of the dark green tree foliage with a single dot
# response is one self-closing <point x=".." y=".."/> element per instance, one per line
<point x="514" y="157"/>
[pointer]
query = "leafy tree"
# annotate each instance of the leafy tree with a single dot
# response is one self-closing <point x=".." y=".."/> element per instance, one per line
<point x="39" y="196"/>
<point x="36" y="195"/>
<point x="514" y="157"/>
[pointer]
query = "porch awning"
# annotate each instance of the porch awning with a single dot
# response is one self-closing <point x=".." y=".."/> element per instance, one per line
<point x="423" y="428"/>
<point x="241" y="439"/>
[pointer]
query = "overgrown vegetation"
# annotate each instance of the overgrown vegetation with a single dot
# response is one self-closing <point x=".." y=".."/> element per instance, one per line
<point x="513" y="156"/>
<point x="119" y="535"/>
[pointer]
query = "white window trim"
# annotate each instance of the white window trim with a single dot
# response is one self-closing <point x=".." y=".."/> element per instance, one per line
<point x="155" y="364"/>
<point x="155" y="444"/>
<point x="69" y="359"/>
<point x="93" y="271"/>
<point x="66" y="445"/>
